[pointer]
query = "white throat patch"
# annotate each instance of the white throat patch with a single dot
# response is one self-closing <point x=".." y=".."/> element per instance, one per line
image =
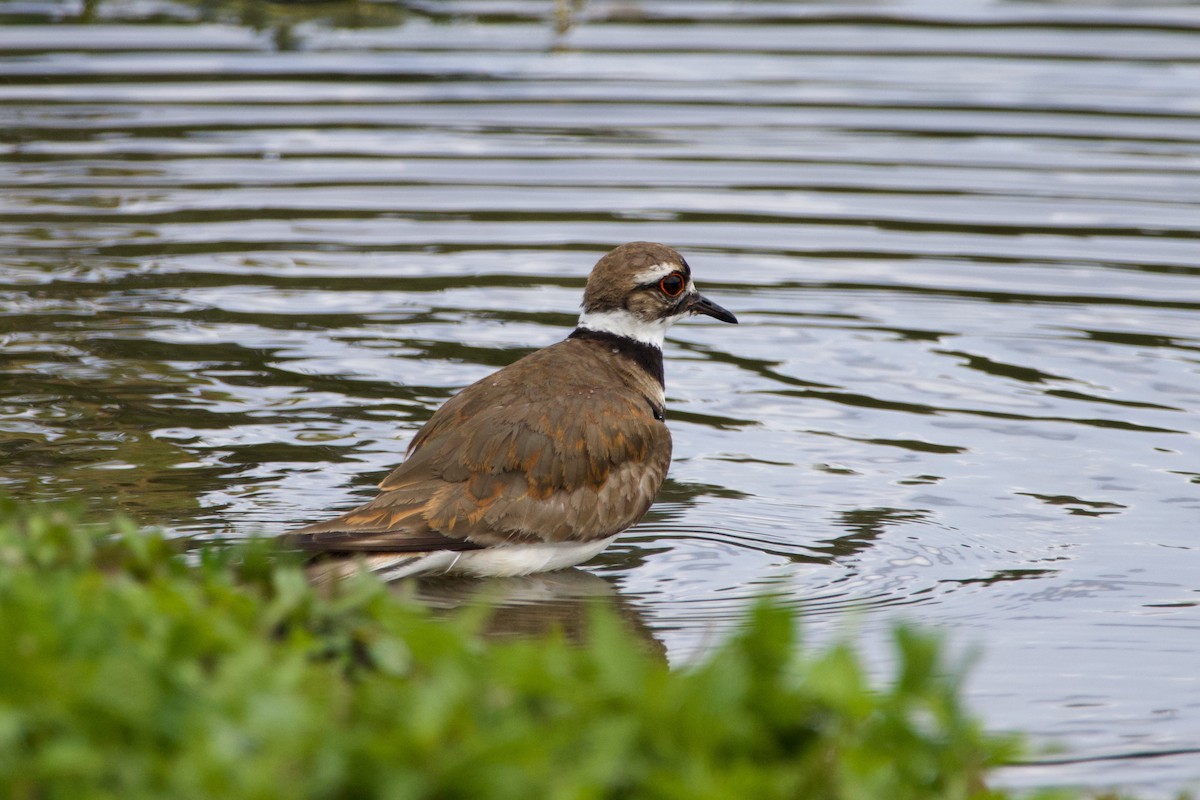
<point x="622" y="323"/>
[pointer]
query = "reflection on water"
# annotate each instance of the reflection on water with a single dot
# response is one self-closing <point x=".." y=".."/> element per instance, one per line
<point x="961" y="239"/>
<point x="560" y="602"/>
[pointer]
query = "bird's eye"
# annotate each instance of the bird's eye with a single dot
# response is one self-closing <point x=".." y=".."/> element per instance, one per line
<point x="672" y="285"/>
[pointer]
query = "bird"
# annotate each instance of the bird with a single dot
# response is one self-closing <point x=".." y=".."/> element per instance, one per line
<point x="540" y="465"/>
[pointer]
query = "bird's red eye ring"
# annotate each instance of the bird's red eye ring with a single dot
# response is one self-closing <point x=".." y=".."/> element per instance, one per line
<point x="672" y="285"/>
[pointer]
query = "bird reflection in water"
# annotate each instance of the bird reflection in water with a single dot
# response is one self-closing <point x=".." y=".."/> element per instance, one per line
<point x="534" y="605"/>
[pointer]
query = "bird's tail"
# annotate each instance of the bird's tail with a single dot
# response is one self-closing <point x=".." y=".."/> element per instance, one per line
<point x="387" y="566"/>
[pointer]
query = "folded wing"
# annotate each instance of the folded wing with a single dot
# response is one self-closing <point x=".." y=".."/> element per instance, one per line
<point x="510" y="465"/>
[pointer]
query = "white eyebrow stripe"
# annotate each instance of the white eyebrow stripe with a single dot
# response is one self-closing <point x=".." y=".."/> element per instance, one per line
<point x="656" y="273"/>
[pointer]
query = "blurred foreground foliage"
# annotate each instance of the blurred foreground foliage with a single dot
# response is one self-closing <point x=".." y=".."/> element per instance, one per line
<point x="130" y="669"/>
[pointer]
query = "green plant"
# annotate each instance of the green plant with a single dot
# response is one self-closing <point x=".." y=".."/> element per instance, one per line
<point x="130" y="668"/>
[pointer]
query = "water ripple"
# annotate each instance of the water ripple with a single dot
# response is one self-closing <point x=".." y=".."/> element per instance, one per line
<point x="961" y="242"/>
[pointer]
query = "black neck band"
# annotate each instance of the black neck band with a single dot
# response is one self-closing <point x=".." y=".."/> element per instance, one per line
<point x="646" y="356"/>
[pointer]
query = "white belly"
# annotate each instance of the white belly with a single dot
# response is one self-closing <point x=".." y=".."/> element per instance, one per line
<point x="499" y="562"/>
<point x="524" y="559"/>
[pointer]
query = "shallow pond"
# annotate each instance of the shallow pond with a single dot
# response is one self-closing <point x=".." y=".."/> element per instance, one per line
<point x="962" y="240"/>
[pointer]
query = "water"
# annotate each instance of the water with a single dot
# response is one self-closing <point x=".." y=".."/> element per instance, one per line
<point x="961" y="239"/>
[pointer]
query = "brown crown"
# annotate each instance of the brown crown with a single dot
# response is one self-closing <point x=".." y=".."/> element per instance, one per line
<point x="612" y="280"/>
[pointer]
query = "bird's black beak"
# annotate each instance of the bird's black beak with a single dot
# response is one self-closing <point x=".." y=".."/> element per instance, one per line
<point x="700" y="304"/>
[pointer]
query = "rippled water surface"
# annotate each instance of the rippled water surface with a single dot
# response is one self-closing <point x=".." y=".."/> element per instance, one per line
<point x="963" y="240"/>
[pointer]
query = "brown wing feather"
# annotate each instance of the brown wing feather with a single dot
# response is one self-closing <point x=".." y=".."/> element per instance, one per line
<point x="530" y="453"/>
